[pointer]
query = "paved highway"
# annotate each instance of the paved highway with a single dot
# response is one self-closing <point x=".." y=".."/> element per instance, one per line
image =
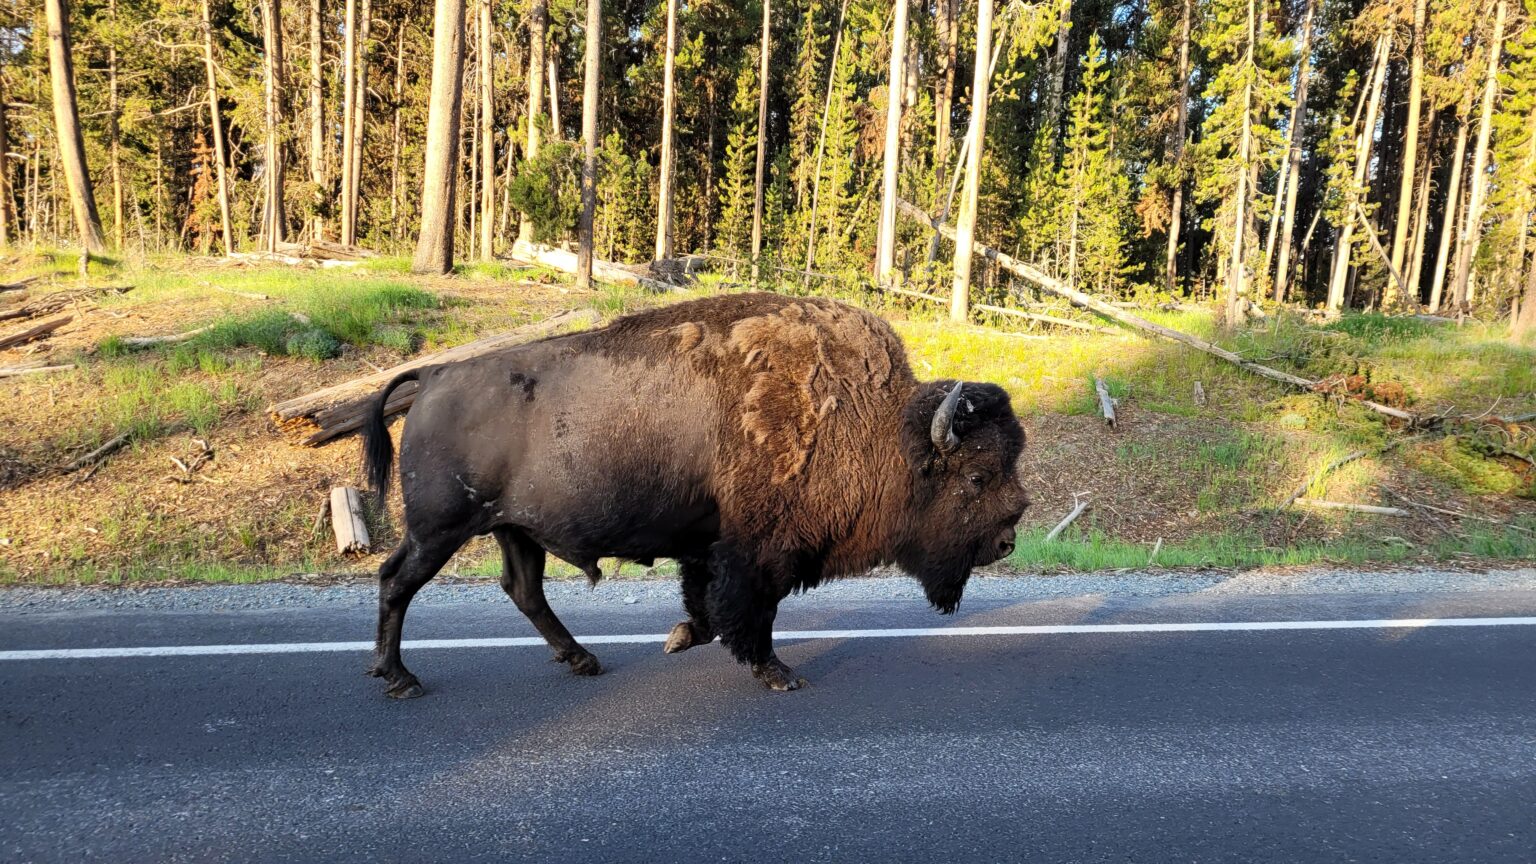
<point x="1096" y="735"/>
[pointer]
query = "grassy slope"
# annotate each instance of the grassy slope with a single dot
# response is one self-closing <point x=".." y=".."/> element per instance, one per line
<point x="1193" y="477"/>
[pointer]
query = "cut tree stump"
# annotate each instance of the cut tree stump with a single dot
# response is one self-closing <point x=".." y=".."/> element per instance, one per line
<point x="347" y="521"/>
<point x="1106" y="402"/>
<point x="34" y="332"/>
<point x="1094" y="304"/>
<point x="1199" y="394"/>
<point x="343" y="407"/>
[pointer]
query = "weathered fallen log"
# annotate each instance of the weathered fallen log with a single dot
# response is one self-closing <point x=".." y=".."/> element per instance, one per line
<point x="603" y="271"/>
<point x="339" y="409"/>
<point x="40" y="368"/>
<point x="999" y="310"/>
<point x="321" y="250"/>
<point x="347" y="521"/>
<point x="1106" y="402"/>
<point x="51" y="303"/>
<point x="36" y="331"/>
<point x="98" y="454"/>
<point x="1353" y="508"/>
<point x="1078" y="298"/>
<point x="171" y="339"/>
<point x="19" y="285"/>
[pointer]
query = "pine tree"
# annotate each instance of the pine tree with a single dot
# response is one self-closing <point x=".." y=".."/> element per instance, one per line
<point x="735" y="225"/>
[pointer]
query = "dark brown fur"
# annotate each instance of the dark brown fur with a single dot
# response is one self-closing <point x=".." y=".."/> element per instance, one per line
<point x="767" y="443"/>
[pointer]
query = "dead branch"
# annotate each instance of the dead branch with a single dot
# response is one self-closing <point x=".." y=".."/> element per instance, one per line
<point x="18" y="285"/>
<point x="99" y="454"/>
<point x="35" y="332"/>
<point x="1079" y="504"/>
<point x="172" y="339"/>
<point x="58" y="300"/>
<point x="38" y="368"/>
<point x="1318" y="477"/>
<point x="1013" y="313"/>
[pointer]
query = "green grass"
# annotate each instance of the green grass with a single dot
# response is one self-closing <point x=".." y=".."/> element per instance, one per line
<point x="1090" y="550"/>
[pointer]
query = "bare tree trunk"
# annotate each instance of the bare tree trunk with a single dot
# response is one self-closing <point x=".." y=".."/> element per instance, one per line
<point x="1059" y="67"/>
<point x="1293" y="155"/>
<point x="1181" y="132"/>
<point x="434" y="246"/>
<point x="317" y="115"/>
<point x="474" y="146"/>
<point x="664" y="205"/>
<point x="1363" y="139"/>
<point x="396" y="185"/>
<point x="965" y="222"/>
<point x="487" y="137"/>
<point x="762" y="142"/>
<point x="348" y="117"/>
<point x="7" y="223"/>
<point x="821" y="139"/>
<point x="1410" y="152"/>
<point x="274" y="221"/>
<point x="555" y="128"/>
<point x="1471" y="229"/>
<point x="1420" y="226"/>
<point x="589" y="143"/>
<point x="944" y="96"/>
<point x="538" y="14"/>
<point x="114" y="137"/>
<point x="66" y="119"/>
<point x="219" y="157"/>
<point x="1237" y="269"/>
<point x="1453" y="201"/>
<point x="885" y="244"/>
<point x="1525" y="323"/>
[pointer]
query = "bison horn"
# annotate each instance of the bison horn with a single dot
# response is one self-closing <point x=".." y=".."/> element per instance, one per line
<point x="943" y="429"/>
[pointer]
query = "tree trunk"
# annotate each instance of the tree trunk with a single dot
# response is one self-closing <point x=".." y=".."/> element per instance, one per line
<point x="1453" y="200"/>
<point x="1363" y="139"/>
<point x="274" y="221"/>
<point x="821" y="140"/>
<point x="1525" y="323"/>
<point x="114" y="137"/>
<point x="538" y="14"/>
<point x="1059" y="67"/>
<point x="1181" y="131"/>
<point x="396" y="184"/>
<point x="1237" y="268"/>
<point x="434" y="245"/>
<point x="317" y="116"/>
<point x="1471" y="229"/>
<point x="219" y="158"/>
<point x="762" y="141"/>
<point x="885" y="246"/>
<point x="66" y="118"/>
<point x="7" y="223"/>
<point x="965" y="222"/>
<point x="944" y="95"/>
<point x="1410" y="153"/>
<point x="1420" y="226"/>
<point x="487" y="137"/>
<point x="1293" y="154"/>
<point x="664" y="182"/>
<point x="354" y="191"/>
<point x="555" y="128"/>
<point x="589" y="98"/>
<point x="348" y="117"/>
<point x="474" y="146"/>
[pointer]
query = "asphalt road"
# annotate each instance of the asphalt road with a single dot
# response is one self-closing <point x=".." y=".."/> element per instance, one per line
<point x="1392" y="744"/>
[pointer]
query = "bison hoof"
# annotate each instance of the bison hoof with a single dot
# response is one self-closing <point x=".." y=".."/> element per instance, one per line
<point x="581" y="662"/>
<point x="777" y="676"/>
<point x="684" y="636"/>
<point x="406" y="687"/>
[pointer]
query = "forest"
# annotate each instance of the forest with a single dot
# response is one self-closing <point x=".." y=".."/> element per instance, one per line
<point x="1333" y="153"/>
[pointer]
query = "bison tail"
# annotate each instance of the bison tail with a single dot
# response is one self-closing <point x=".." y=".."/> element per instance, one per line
<point x="378" y="449"/>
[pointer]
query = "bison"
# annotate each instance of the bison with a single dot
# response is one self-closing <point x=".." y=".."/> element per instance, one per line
<point x="766" y="443"/>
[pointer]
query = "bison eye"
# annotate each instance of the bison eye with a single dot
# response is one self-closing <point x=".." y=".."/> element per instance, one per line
<point x="977" y="480"/>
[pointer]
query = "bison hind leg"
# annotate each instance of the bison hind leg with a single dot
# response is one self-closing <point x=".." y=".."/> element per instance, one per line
<point x="522" y="577"/>
<point x="408" y="568"/>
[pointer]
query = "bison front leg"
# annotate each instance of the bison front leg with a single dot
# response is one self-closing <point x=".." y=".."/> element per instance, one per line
<point x="696" y="630"/>
<point x="743" y="601"/>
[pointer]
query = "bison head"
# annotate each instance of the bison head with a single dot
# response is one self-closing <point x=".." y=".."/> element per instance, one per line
<point x="961" y="441"/>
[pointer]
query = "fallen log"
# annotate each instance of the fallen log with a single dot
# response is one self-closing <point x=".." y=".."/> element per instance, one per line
<point x="1086" y="301"/>
<point x="340" y="408"/>
<point x="40" y="368"/>
<point x="98" y="454"/>
<point x="999" y="310"/>
<point x="347" y="521"/>
<point x="172" y="339"/>
<point x="1353" y="508"/>
<point x="19" y="285"/>
<point x="58" y="300"/>
<point x="1106" y="402"/>
<point x="603" y="271"/>
<point x="34" y="332"/>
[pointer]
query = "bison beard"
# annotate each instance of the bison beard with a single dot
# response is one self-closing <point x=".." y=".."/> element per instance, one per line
<point x="766" y="443"/>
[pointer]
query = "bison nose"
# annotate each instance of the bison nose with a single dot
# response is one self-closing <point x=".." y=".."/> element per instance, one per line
<point x="1005" y="544"/>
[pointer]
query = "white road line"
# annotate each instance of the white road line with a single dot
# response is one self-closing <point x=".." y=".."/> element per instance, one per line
<point x="898" y="633"/>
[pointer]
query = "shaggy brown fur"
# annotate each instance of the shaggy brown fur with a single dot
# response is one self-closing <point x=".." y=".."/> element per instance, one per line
<point x="766" y="442"/>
